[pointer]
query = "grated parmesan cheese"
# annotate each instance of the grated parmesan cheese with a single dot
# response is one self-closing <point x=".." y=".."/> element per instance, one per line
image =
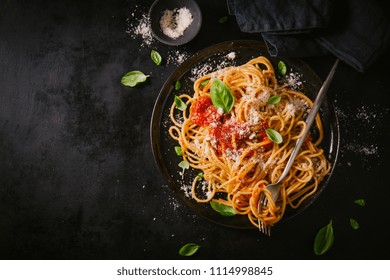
<point x="293" y="79"/>
<point x="187" y="190"/>
<point x="231" y="55"/>
<point x="291" y="110"/>
<point x="264" y="96"/>
<point x="300" y="104"/>
<point x="173" y="23"/>
<point x="213" y="65"/>
<point x="139" y="26"/>
<point x="232" y="154"/>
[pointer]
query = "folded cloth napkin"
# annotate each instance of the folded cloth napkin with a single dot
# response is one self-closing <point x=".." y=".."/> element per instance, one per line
<point x="355" y="31"/>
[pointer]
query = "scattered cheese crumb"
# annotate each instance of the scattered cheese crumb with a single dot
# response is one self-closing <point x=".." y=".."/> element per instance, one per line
<point x="291" y="110"/>
<point x="141" y="29"/>
<point x="231" y="55"/>
<point x="293" y="79"/>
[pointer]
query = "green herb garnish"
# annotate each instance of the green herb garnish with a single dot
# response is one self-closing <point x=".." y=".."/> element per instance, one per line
<point x="205" y="82"/>
<point x="188" y="249"/>
<point x="178" y="151"/>
<point x="360" y="202"/>
<point x="222" y="209"/>
<point x="177" y="85"/>
<point x="156" y="57"/>
<point x="324" y="239"/>
<point x="274" y="99"/>
<point x="133" y="78"/>
<point x="184" y="164"/>
<point x="180" y="103"/>
<point x="221" y="96"/>
<point x="199" y="176"/>
<point x="223" y="19"/>
<point x="354" y="224"/>
<point x="282" y="68"/>
<point x="274" y="136"/>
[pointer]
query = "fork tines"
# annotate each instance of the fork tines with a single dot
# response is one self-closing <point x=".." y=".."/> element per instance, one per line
<point x="264" y="229"/>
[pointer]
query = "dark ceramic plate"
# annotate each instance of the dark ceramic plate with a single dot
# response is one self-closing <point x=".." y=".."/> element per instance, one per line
<point x="156" y="11"/>
<point x="207" y="60"/>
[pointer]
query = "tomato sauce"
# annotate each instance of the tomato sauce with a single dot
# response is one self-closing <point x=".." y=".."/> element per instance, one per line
<point x="203" y="112"/>
<point x="226" y="133"/>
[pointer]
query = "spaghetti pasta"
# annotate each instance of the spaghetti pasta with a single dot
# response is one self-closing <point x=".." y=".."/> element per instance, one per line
<point x="233" y="147"/>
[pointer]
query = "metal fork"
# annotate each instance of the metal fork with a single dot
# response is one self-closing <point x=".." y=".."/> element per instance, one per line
<point x="275" y="187"/>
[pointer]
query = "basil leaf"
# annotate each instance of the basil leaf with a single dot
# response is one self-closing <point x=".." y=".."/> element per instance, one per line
<point x="205" y="82"/>
<point x="199" y="176"/>
<point x="156" y="57"/>
<point x="221" y="96"/>
<point x="184" y="164"/>
<point x="274" y="136"/>
<point x="178" y="151"/>
<point x="177" y="85"/>
<point x="188" y="249"/>
<point x="282" y="68"/>
<point x="223" y="19"/>
<point x="274" y="99"/>
<point x="360" y="202"/>
<point x="354" y="224"/>
<point x="133" y="78"/>
<point x="222" y="209"/>
<point x="179" y="103"/>
<point x="324" y="239"/>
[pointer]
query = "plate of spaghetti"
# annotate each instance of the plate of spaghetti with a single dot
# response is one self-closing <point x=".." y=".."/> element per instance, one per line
<point x="223" y="127"/>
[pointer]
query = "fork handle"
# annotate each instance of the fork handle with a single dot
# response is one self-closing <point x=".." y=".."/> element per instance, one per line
<point x="309" y="120"/>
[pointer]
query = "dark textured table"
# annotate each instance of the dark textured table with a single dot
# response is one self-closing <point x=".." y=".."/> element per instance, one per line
<point x="77" y="174"/>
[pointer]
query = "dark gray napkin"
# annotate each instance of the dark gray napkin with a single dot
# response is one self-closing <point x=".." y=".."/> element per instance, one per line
<point x="355" y="31"/>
